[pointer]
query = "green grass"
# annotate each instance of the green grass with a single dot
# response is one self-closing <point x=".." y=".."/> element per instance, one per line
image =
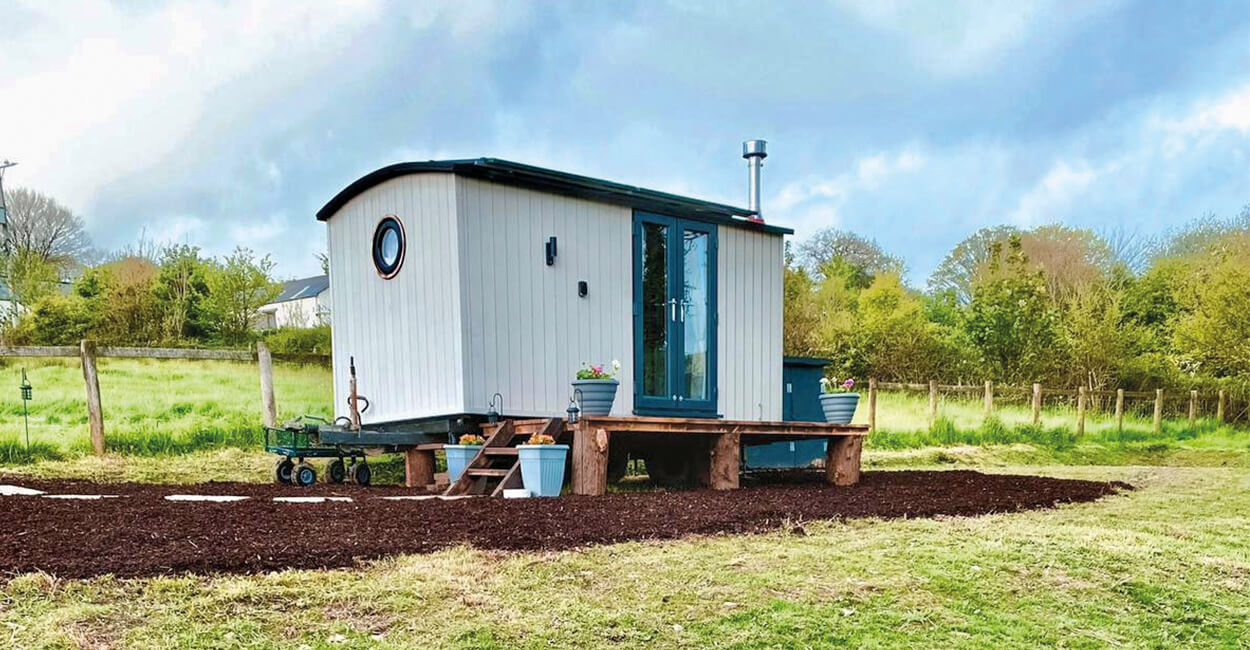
<point x="152" y="407"/>
<point x="902" y="423"/>
<point x="1167" y="565"/>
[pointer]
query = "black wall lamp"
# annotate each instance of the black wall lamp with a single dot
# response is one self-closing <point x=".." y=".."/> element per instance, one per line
<point x="551" y="251"/>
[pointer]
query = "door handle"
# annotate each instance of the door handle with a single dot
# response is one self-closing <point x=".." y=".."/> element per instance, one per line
<point x="672" y="308"/>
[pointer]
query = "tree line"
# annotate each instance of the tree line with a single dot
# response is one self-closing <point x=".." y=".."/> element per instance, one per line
<point x="1063" y="306"/>
<point x="64" y="290"/>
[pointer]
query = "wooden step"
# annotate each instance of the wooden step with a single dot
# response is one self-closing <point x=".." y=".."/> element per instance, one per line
<point x="500" y="451"/>
<point x="477" y="471"/>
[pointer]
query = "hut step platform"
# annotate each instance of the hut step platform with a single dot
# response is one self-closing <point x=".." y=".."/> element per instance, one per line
<point x="715" y="447"/>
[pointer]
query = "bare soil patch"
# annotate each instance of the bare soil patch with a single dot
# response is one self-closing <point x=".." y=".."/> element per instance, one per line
<point x="142" y="534"/>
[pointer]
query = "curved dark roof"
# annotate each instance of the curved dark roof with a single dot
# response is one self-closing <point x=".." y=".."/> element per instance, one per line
<point x="548" y="180"/>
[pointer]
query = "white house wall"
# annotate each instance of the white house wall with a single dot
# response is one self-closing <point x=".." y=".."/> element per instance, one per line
<point x="526" y="331"/>
<point x="405" y="333"/>
<point x="304" y="312"/>
<point x="749" y="296"/>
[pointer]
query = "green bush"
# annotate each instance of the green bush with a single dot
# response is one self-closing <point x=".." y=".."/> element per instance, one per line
<point x="298" y="340"/>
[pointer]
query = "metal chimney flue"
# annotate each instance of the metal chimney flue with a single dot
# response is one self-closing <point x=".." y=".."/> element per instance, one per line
<point x="755" y="151"/>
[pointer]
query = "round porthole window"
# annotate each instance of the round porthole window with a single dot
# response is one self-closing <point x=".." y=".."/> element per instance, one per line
<point x="388" y="246"/>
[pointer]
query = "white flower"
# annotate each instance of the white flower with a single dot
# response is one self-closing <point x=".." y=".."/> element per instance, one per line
<point x="616" y="365"/>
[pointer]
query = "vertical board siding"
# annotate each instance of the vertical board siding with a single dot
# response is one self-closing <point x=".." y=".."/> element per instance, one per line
<point x="749" y="293"/>
<point x="405" y="333"/>
<point x="526" y="330"/>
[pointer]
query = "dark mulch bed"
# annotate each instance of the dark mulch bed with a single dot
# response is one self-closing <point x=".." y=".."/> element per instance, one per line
<point x="144" y="535"/>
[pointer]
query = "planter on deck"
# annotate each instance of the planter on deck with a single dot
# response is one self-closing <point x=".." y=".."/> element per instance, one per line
<point x="839" y="408"/>
<point x="597" y="395"/>
<point x="458" y="456"/>
<point x="542" y="468"/>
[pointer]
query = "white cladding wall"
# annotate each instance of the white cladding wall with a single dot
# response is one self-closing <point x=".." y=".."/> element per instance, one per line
<point x="525" y="329"/>
<point x="749" y="297"/>
<point x="476" y="310"/>
<point x="403" y="332"/>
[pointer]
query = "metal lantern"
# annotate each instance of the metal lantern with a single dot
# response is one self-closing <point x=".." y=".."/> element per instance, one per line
<point x="574" y="413"/>
<point x="27" y="395"/>
<point x="492" y="413"/>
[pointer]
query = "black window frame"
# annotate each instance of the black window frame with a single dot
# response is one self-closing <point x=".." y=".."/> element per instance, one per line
<point x="387" y="224"/>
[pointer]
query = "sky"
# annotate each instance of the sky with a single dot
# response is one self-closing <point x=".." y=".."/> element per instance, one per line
<point x="229" y="123"/>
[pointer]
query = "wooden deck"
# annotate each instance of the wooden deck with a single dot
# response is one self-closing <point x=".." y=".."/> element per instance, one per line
<point x="716" y="444"/>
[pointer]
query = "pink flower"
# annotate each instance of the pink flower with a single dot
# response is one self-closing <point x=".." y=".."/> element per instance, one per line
<point x="848" y="384"/>
<point x="598" y="369"/>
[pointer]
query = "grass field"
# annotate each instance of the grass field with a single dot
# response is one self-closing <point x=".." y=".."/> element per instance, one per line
<point x="151" y="407"/>
<point x="170" y="408"/>
<point x="1166" y="565"/>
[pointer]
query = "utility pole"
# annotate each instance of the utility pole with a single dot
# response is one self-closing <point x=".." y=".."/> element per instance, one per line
<point x="4" y="208"/>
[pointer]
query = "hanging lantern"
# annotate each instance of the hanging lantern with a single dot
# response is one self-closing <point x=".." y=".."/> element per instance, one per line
<point x="492" y="412"/>
<point x="574" y="413"/>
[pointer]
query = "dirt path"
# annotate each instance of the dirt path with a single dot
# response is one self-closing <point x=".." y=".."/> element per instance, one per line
<point x="143" y="534"/>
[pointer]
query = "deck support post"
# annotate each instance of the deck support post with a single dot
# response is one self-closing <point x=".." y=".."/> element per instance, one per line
<point x="418" y="467"/>
<point x="842" y="460"/>
<point x="590" y="460"/>
<point x="725" y="461"/>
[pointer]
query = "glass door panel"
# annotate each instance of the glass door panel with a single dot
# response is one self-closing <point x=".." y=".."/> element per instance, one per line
<point x="674" y="316"/>
<point x="654" y="307"/>
<point x="695" y="316"/>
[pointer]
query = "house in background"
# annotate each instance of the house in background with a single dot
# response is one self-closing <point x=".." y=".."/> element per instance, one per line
<point x="302" y="303"/>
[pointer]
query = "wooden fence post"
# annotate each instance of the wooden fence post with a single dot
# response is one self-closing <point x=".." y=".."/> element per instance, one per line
<point x="989" y="398"/>
<point x="1119" y="409"/>
<point x="872" y="405"/>
<point x="933" y="402"/>
<point x="268" y="406"/>
<point x="1193" y="408"/>
<point x="1037" y="404"/>
<point x="1080" y="411"/>
<point x="1158" y="428"/>
<point x="95" y="412"/>
<point x="1219" y="408"/>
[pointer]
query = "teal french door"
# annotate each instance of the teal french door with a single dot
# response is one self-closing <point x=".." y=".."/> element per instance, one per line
<point x="674" y="316"/>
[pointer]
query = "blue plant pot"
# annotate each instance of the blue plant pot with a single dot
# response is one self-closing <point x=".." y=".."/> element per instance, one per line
<point x="542" y="468"/>
<point x="839" y="408"/>
<point x="458" y="456"/>
<point x="596" y="395"/>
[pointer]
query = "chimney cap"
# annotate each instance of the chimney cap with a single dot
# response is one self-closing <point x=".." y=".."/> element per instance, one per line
<point x="754" y="148"/>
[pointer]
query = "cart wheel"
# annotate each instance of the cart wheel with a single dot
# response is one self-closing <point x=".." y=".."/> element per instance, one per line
<point x="360" y="473"/>
<point x="304" y="475"/>
<point x="282" y="471"/>
<point x="336" y="471"/>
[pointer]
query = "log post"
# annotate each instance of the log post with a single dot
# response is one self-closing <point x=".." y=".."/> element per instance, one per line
<point x="725" y="461"/>
<point x="989" y="398"/>
<point x="590" y="460"/>
<point x="418" y="467"/>
<point x="1037" y="404"/>
<point x="1193" y="408"/>
<point x="1158" y="425"/>
<point x="95" y="412"/>
<point x="842" y="460"/>
<point x="933" y="402"/>
<point x="1119" y="409"/>
<point x="872" y="405"/>
<point x="1080" y="411"/>
<point x="268" y="406"/>
<point x="1219" y="407"/>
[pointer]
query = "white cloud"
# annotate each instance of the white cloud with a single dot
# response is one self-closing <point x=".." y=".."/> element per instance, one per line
<point x="815" y="202"/>
<point x="957" y="38"/>
<point x="1054" y="194"/>
<point x="94" y="91"/>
